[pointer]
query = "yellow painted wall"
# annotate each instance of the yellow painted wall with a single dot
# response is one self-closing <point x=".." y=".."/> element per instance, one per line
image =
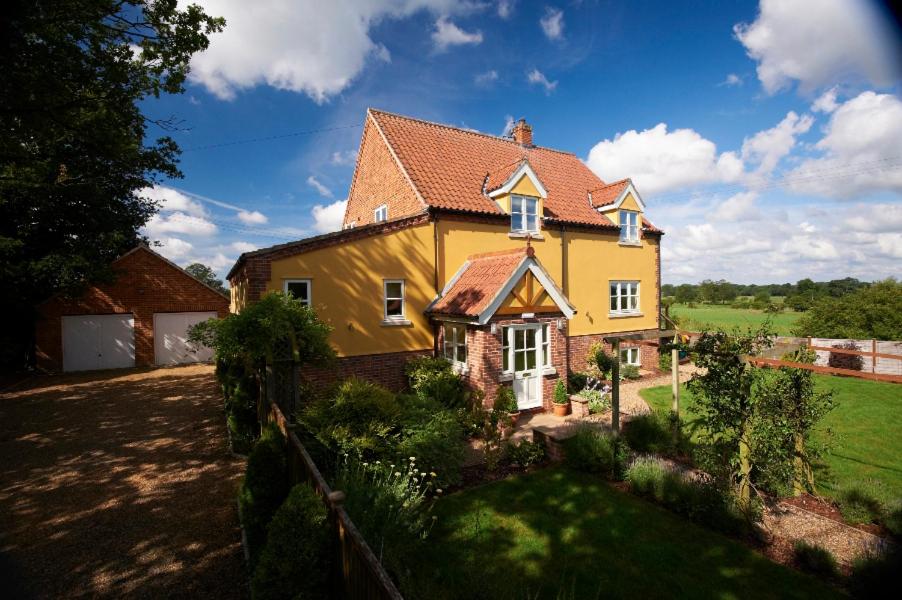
<point x="347" y="289"/>
<point x="629" y="203"/>
<point x="524" y="187"/>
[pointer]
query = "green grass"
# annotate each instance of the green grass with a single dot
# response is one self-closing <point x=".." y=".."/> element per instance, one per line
<point x="866" y="426"/>
<point x="557" y="533"/>
<point x="708" y="316"/>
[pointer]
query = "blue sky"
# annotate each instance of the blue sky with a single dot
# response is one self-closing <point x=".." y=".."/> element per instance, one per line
<point x="767" y="152"/>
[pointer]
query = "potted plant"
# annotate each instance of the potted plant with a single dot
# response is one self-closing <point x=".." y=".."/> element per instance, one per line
<point x="506" y="404"/>
<point x="561" y="399"/>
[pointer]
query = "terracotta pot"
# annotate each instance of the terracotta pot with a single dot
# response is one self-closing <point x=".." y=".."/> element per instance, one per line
<point x="561" y="410"/>
<point x="515" y="416"/>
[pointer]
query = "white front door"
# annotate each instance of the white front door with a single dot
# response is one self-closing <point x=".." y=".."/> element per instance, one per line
<point x="170" y="338"/>
<point x="98" y="342"/>
<point x="525" y="346"/>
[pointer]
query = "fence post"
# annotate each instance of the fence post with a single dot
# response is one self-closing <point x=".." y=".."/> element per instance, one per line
<point x="873" y="356"/>
<point x="615" y="387"/>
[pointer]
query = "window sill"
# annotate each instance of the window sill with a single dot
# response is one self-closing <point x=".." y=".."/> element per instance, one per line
<point x="634" y="243"/>
<point x="396" y="323"/>
<point x="523" y="234"/>
<point x="624" y="315"/>
<point x="460" y="368"/>
<point x="549" y="371"/>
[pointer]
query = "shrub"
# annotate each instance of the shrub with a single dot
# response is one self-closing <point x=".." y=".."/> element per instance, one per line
<point x="600" y="359"/>
<point x="654" y="433"/>
<point x="505" y="401"/>
<point x="474" y="416"/>
<point x="577" y="381"/>
<point x="525" y="453"/>
<point x="296" y="560"/>
<point x="646" y="477"/>
<point x="434" y="378"/>
<point x="264" y="489"/>
<point x="363" y="419"/>
<point x="560" y="392"/>
<point x="840" y="360"/>
<point x="814" y="559"/>
<point x="876" y="573"/>
<point x="665" y="361"/>
<point x="598" y="402"/>
<point x="596" y="451"/>
<point x="870" y="501"/>
<point x="438" y="443"/>
<point x="630" y="372"/>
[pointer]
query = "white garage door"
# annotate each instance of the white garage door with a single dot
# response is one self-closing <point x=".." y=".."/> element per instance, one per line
<point x="170" y="338"/>
<point x="98" y="342"/>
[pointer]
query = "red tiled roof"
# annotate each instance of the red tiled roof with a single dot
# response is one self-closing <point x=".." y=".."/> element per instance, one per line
<point x="608" y="194"/>
<point x="450" y="166"/>
<point x="482" y="278"/>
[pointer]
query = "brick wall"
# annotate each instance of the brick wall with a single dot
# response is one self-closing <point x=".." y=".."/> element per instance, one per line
<point x="580" y="344"/>
<point x="145" y="284"/>
<point x="385" y="369"/>
<point x="378" y="180"/>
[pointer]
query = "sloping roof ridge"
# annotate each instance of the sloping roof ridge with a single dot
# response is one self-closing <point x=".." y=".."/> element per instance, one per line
<point x="469" y="131"/>
<point x="612" y="184"/>
<point x="143" y="246"/>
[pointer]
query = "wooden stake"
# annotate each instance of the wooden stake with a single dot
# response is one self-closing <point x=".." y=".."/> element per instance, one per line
<point x="675" y="382"/>
<point x="615" y="387"/>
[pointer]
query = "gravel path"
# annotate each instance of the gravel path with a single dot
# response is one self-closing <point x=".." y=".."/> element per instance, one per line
<point x="118" y="484"/>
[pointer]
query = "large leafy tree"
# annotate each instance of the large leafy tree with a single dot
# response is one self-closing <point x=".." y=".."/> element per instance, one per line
<point x="873" y="312"/>
<point x="208" y="276"/>
<point x="76" y="147"/>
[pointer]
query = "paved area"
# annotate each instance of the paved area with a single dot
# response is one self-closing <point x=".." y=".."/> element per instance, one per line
<point x="118" y="484"/>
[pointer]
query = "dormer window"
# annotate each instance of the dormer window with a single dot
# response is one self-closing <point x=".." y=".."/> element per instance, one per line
<point x="524" y="214"/>
<point x="629" y="226"/>
<point x="380" y="214"/>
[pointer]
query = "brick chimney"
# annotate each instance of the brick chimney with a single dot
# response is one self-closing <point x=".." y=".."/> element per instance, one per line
<point x="522" y="133"/>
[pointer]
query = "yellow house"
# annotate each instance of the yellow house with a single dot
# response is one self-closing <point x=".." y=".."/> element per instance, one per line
<point x="507" y="258"/>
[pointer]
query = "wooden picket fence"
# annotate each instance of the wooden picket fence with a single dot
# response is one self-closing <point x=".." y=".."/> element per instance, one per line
<point x="358" y="574"/>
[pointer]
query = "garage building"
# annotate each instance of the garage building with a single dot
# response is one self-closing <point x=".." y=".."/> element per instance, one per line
<point x="140" y="319"/>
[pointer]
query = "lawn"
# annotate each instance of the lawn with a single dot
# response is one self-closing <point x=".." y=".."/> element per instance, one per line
<point x="866" y="426"/>
<point x="557" y="533"/>
<point x="703" y="316"/>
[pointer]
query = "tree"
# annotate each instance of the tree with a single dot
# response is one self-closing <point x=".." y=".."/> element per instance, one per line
<point x="208" y="276"/>
<point x="74" y="154"/>
<point x="872" y="312"/>
<point x="686" y="293"/>
<point x="707" y="291"/>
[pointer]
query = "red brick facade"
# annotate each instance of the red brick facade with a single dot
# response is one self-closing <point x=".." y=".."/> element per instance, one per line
<point x="579" y="349"/>
<point x="385" y="369"/>
<point x="378" y="170"/>
<point x="145" y="284"/>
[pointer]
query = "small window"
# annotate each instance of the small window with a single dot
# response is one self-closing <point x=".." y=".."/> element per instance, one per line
<point x="455" y="343"/>
<point x="524" y="214"/>
<point x="380" y="214"/>
<point x="546" y="345"/>
<point x="624" y="297"/>
<point x="505" y="349"/>
<point x="629" y="226"/>
<point x="394" y="299"/>
<point x="629" y="356"/>
<point x="299" y="289"/>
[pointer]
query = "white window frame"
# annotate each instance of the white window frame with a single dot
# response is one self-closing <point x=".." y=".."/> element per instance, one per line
<point x="385" y="299"/>
<point x="546" y="344"/>
<point x="518" y="206"/>
<point x="631" y="351"/>
<point x="452" y="343"/>
<point x="623" y="296"/>
<point x="381" y="213"/>
<point x="629" y="226"/>
<point x="308" y="282"/>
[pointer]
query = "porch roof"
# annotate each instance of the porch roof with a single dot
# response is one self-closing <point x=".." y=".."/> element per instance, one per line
<point x="484" y="281"/>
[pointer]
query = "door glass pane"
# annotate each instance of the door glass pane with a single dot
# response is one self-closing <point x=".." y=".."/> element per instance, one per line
<point x="531" y="360"/>
<point x="519" y="339"/>
<point x="519" y="361"/>
<point x="530" y="339"/>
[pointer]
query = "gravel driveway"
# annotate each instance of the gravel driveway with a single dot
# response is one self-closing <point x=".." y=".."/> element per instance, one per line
<point x="118" y="484"/>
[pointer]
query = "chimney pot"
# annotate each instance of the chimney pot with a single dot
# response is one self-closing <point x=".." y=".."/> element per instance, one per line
<point x="522" y="133"/>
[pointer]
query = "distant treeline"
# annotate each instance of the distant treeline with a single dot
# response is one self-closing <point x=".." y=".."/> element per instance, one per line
<point x="798" y="296"/>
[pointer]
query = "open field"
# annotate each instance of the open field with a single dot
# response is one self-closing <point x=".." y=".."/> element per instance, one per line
<point x="703" y="315"/>
<point x="562" y="534"/>
<point x="866" y="428"/>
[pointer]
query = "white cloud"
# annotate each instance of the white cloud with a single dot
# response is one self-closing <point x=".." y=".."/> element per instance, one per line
<point x="739" y="207"/>
<point x="861" y="150"/>
<point x="875" y="218"/>
<point x="329" y="218"/>
<point x="174" y="249"/>
<point x="321" y="189"/>
<point x="508" y="125"/>
<point x="171" y="200"/>
<point x="347" y="157"/>
<point x="767" y="147"/>
<point x="810" y="246"/>
<point x="306" y="46"/>
<point x="506" y="8"/>
<point x="242" y="247"/>
<point x="658" y="160"/>
<point x="537" y="77"/>
<point x="253" y="217"/>
<point x="826" y="103"/>
<point x="732" y="80"/>
<point x="552" y="23"/>
<point x="890" y="244"/>
<point x="818" y="43"/>
<point x="487" y="77"/>
<point x="178" y="222"/>
<point x="448" y="34"/>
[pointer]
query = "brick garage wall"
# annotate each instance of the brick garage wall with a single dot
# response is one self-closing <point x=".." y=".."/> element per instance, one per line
<point x="579" y="347"/>
<point x="484" y="361"/>
<point x="145" y="284"/>
<point x="385" y="369"/>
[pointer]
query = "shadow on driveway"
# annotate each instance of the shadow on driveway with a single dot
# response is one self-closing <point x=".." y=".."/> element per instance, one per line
<point x="119" y="483"/>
